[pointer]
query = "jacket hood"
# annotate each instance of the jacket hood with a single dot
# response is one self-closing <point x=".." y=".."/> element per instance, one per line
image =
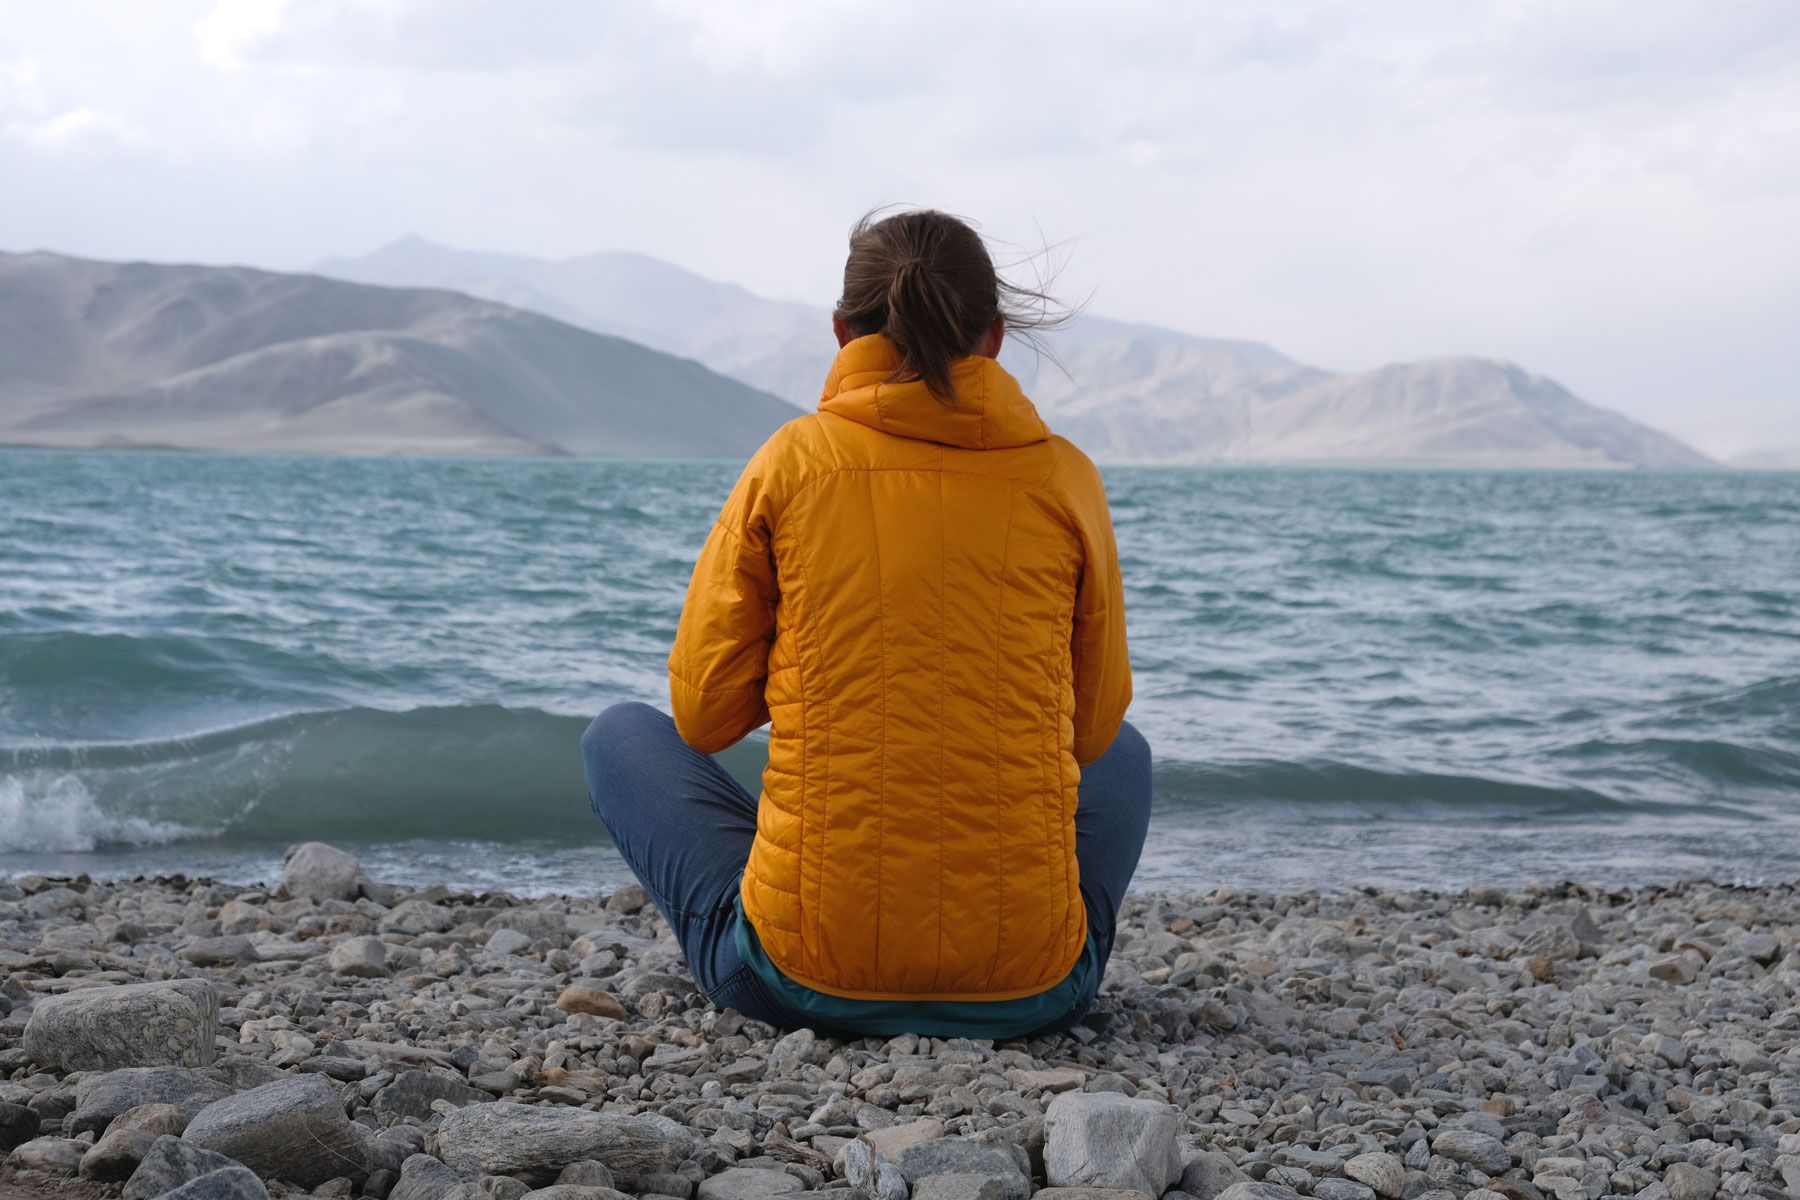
<point x="990" y="411"/>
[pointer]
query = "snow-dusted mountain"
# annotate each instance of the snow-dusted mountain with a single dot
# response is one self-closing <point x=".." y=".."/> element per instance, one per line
<point x="1125" y="392"/>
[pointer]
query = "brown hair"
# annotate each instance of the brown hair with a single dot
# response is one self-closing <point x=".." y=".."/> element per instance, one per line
<point x="924" y="279"/>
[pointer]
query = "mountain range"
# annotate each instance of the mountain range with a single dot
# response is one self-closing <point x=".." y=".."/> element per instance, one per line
<point x="1124" y="392"/>
<point x="100" y="353"/>
<point x="419" y="348"/>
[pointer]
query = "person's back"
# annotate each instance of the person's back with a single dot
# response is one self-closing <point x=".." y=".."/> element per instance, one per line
<point x="917" y="587"/>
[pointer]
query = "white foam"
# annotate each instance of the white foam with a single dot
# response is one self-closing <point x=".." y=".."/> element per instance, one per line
<point x="57" y="815"/>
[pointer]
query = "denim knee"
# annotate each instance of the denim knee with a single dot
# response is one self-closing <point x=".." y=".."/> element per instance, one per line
<point x="1131" y="747"/>
<point x="617" y="721"/>
<point x="601" y="741"/>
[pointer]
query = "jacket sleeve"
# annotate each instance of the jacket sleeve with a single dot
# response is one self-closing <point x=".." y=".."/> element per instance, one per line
<point x="720" y="662"/>
<point x="1102" y="663"/>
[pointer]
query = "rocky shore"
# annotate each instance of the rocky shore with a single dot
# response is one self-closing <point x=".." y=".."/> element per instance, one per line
<point x="343" y="1038"/>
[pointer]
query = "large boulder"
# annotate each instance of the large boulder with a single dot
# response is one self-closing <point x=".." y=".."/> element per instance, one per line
<point x="230" y="1183"/>
<point x="170" y="1163"/>
<point x="1109" y="1140"/>
<point x="170" y="1023"/>
<point x="100" y="1098"/>
<point x="130" y="1137"/>
<point x="293" y="1129"/>
<point x="537" y="1143"/>
<point x="316" y="871"/>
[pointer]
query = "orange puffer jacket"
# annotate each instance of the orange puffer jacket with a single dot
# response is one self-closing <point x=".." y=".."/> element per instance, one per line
<point x="925" y="601"/>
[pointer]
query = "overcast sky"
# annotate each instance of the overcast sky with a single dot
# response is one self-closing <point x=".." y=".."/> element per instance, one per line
<point x="1606" y="191"/>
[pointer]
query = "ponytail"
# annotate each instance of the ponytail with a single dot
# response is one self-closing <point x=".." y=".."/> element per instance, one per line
<point x="925" y="281"/>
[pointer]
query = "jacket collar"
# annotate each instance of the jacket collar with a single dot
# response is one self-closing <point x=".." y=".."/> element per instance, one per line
<point x="990" y="411"/>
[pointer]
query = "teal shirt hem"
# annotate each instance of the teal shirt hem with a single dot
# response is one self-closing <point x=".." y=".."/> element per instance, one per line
<point x="993" y="1019"/>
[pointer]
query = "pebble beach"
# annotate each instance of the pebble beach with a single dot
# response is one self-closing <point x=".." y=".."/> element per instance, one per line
<point x="340" y="1037"/>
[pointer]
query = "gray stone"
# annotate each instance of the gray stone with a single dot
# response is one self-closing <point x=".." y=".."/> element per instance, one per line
<point x="747" y="1183"/>
<point x="362" y="957"/>
<point x="230" y="1183"/>
<point x="118" y="1154"/>
<point x="888" y="1183"/>
<point x="1258" y="1191"/>
<point x="537" y="1143"/>
<point x="1108" y="1140"/>
<point x="170" y="1163"/>
<point x="1554" y="942"/>
<point x="238" y="917"/>
<point x="423" y="1177"/>
<point x="889" y="1142"/>
<point x="628" y="899"/>
<point x="1319" y="1162"/>
<point x="1383" y="1172"/>
<point x="293" y="1129"/>
<point x="956" y="1185"/>
<point x="316" y="871"/>
<point x="221" y="952"/>
<point x="800" y="1046"/>
<point x="1056" y="1193"/>
<point x="674" y="1184"/>
<point x="60" y="1155"/>
<point x="1397" y="1075"/>
<point x="129" y="1138"/>
<point x="18" y="1125"/>
<point x="414" y="917"/>
<point x="1764" y="948"/>
<point x="1341" y="1189"/>
<point x="508" y="941"/>
<point x="1480" y="1122"/>
<point x="1487" y="1154"/>
<point x="505" y="1187"/>
<point x="133" y="1025"/>
<point x="1209" y="1173"/>
<point x="1688" y="1182"/>
<point x="576" y="1191"/>
<point x="858" y="1160"/>
<point x="1680" y="969"/>
<point x="242" y="1073"/>
<point x="586" y="1173"/>
<point x="966" y="1156"/>
<point x="101" y="1098"/>
<point x="413" y="1092"/>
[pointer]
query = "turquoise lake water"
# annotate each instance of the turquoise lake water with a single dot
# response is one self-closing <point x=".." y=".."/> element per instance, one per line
<point x="1350" y="678"/>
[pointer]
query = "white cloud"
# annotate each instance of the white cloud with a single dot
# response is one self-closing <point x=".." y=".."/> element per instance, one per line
<point x="83" y="124"/>
<point x="237" y="31"/>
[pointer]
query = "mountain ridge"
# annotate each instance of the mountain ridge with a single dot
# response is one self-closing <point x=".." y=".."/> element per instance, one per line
<point x="1125" y="391"/>
<point x="240" y="358"/>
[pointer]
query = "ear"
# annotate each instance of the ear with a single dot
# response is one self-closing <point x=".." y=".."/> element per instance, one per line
<point x="842" y="329"/>
<point x="989" y="345"/>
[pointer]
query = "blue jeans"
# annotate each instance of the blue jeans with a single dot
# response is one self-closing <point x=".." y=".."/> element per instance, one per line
<point x="685" y="826"/>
